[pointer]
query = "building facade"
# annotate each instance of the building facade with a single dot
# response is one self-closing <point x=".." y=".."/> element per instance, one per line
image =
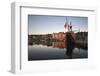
<point x="59" y="36"/>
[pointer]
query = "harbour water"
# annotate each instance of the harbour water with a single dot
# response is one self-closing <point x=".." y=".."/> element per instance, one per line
<point x="55" y="50"/>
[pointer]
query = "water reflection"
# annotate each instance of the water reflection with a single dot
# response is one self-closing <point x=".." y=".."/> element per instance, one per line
<point x="60" y="44"/>
<point x="55" y="50"/>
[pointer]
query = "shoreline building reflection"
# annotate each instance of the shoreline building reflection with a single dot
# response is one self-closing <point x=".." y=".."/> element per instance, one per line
<point x="61" y="45"/>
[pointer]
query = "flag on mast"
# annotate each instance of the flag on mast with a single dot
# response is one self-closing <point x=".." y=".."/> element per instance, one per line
<point x="70" y="26"/>
<point x="66" y="26"/>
